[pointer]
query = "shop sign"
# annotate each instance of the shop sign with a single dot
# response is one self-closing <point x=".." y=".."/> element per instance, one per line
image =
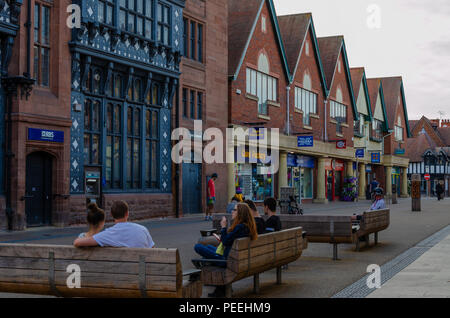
<point x="360" y="153"/>
<point x="376" y="157"/>
<point x="341" y="144"/>
<point x="300" y="161"/>
<point x="336" y="165"/>
<point x="305" y="141"/>
<point x="368" y="168"/>
<point x="400" y="151"/>
<point x="45" y="135"/>
<point x="253" y="156"/>
<point x="256" y="133"/>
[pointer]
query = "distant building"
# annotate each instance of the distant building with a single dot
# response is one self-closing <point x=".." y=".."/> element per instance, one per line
<point x="429" y="153"/>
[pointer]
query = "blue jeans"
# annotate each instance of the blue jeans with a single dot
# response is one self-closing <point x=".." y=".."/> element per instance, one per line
<point x="208" y="251"/>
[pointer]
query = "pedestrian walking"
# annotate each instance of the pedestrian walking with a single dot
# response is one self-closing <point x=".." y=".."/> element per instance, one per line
<point x="440" y="190"/>
<point x="211" y="197"/>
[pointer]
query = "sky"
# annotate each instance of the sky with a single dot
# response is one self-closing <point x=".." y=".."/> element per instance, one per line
<point x="408" y="38"/>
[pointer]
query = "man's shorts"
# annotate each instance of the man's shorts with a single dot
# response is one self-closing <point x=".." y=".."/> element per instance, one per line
<point x="211" y="201"/>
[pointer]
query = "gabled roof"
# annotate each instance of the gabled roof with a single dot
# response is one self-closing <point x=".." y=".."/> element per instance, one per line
<point x="330" y="48"/>
<point x="375" y="88"/>
<point x="359" y="77"/>
<point x="294" y="30"/>
<point x="418" y="146"/>
<point x="243" y="17"/>
<point x="444" y="132"/>
<point x="391" y="87"/>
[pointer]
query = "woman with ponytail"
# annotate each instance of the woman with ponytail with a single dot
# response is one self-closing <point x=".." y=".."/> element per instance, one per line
<point x="95" y="220"/>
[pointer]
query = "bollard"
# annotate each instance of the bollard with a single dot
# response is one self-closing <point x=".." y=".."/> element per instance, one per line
<point x="415" y="193"/>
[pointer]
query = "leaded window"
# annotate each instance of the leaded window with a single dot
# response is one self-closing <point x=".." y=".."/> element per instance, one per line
<point x="42" y="44"/>
<point x="163" y="24"/>
<point x="106" y="11"/>
<point x="151" y="148"/>
<point x="133" y="172"/>
<point x="113" y="163"/>
<point x="136" y="16"/>
<point x="92" y="131"/>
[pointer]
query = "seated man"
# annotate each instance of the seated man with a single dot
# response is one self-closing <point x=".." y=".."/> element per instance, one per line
<point x="379" y="203"/>
<point x="259" y="221"/>
<point x="273" y="223"/>
<point x="122" y="234"/>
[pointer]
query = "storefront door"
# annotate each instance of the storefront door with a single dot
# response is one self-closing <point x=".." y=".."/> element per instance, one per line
<point x="38" y="189"/>
<point x="330" y="185"/>
<point x="192" y="183"/>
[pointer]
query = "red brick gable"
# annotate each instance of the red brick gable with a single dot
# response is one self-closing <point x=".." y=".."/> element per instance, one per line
<point x="244" y="109"/>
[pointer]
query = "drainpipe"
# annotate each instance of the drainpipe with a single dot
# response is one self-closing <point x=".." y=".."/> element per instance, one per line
<point x="288" y="116"/>
<point x="325" y="137"/>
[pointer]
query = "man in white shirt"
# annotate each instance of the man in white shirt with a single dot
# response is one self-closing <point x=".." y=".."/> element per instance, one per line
<point x="379" y="203"/>
<point x="122" y="234"/>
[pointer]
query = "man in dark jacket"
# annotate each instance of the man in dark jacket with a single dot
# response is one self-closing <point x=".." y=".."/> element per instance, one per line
<point x="273" y="223"/>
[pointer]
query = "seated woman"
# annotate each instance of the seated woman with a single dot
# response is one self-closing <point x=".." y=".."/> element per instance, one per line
<point x="95" y="220"/>
<point x="243" y="226"/>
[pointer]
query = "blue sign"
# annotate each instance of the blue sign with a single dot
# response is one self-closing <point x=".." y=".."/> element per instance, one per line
<point x="376" y="157"/>
<point x="305" y="141"/>
<point x="300" y="161"/>
<point x="360" y="153"/>
<point x="46" y="135"/>
<point x="400" y="151"/>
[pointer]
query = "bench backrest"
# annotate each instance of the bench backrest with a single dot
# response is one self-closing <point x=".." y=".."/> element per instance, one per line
<point x="318" y="228"/>
<point x="374" y="221"/>
<point x="269" y="251"/>
<point x="105" y="272"/>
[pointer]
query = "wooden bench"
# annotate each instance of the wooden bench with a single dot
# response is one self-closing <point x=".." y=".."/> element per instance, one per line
<point x="105" y="272"/>
<point x="250" y="258"/>
<point x="332" y="229"/>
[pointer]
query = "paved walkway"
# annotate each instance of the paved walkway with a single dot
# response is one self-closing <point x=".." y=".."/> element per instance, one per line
<point x="314" y="274"/>
<point x="427" y="277"/>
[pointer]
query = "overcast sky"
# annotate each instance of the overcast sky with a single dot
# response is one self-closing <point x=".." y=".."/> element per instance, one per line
<point x="413" y="40"/>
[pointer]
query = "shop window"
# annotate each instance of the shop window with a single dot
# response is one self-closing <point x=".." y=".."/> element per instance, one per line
<point x="42" y="22"/>
<point x="359" y="125"/>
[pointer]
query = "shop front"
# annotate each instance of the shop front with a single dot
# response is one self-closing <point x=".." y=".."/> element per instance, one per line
<point x="301" y="176"/>
<point x="254" y="179"/>
<point x="334" y="174"/>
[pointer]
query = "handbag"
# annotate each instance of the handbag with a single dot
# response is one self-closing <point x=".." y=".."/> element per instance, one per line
<point x="220" y="249"/>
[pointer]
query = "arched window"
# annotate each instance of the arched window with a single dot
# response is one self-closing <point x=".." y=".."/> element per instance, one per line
<point x="307" y="83"/>
<point x="339" y="96"/>
<point x="263" y="63"/>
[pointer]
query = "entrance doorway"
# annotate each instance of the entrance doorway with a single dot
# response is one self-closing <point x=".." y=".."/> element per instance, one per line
<point x="38" y="204"/>
<point x="192" y="185"/>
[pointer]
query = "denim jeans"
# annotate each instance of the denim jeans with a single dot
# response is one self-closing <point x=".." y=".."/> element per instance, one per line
<point x="209" y="252"/>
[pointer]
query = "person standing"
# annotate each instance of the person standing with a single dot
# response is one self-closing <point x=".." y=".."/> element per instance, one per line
<point x="211" y="197"/>
<point x="439" y="190"/>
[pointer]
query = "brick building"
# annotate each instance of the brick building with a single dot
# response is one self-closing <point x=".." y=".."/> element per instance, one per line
<point x="92" y="117"/>
<point x="203" y="92"/>
<point x="429" y="153"/>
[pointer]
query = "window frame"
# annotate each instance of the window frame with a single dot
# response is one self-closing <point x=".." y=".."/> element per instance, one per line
<point x="39" y="46"/>
<point x="128" y="11"/>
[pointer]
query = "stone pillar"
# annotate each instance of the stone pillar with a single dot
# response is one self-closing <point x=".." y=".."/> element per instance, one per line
<point x="362" y="181"/>
<point x="321" y="195"/>
<point x="231" y="188"/>
<point x="404" y="183"/>
<point x="282" y="172"/>
<point x="349" y="169"/>
<point x="388" y="190"/>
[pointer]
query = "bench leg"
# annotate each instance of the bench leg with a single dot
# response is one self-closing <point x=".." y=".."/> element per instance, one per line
<point x="256" y="284"/>
<point x="376" y="238"/>
<point x="228" y="291"/>
<point x="278" y="275"/>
